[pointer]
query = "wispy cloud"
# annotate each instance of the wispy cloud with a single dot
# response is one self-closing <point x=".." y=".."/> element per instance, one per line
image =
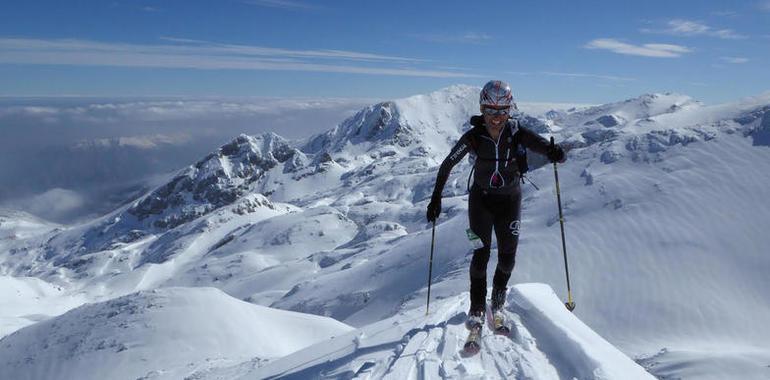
<point x="51" y="204"/>
<point x="194" y="54"/>
<point x="689" y="28"/>
<point x="725" y="13"/>
<point x="583" y="75"/>
<point x="764" y="5"/>
<point x="646" y="50"/>
<point x="139" y="142"/>
<point x="191" y="45"/>
<point x="610" y="78"/>
<point x="281" y="4"/>
<point x="464" y="38"/>
<point x="736" y="60"/>
<point x="84" y="111"/>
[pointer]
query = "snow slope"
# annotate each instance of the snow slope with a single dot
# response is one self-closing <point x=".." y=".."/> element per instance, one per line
<point x="28" y="300"/>
<point x="172" y="331"/>
<point x="19" y="225"/>
<point x="548" y="342"/>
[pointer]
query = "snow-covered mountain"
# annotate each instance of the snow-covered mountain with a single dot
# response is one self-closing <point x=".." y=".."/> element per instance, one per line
<point x="665" y="202"/>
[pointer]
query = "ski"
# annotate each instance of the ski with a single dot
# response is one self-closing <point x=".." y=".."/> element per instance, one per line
<point x="498" y="322"/>
<point x="473" y="343"/>
<point x="499" y="325"/>
<point x="474" y="324"/>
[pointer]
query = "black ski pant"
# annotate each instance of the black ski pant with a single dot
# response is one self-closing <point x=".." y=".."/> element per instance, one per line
<point x="501" y="212"/>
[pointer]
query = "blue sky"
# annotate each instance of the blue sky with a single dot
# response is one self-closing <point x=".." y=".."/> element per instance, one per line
<point x="562" y="51"/>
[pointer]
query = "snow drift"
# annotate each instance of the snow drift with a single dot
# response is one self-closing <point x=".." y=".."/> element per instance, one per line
<point x="163" y="333"/>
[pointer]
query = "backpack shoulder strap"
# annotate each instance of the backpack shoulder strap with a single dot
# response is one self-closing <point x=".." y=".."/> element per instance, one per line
<point x="520" y="151"/>
<point x="473" y="139"/>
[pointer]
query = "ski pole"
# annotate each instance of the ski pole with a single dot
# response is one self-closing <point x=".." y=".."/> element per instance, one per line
<point x="569" y="304"/>
<point x="430" y="266"/>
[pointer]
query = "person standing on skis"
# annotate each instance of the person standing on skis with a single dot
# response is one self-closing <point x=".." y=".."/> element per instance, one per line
<point x="495" y="196"/>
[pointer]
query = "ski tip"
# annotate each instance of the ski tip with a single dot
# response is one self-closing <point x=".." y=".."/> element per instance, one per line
<point x="471" y="348"/>
<point x="503" y="331"/>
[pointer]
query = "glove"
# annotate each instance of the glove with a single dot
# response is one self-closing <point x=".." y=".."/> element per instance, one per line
<point x="434" y="208"/>
<point x="556" y="153"/>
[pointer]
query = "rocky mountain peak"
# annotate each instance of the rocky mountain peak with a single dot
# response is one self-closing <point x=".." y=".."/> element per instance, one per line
<point x="218" y="179"/>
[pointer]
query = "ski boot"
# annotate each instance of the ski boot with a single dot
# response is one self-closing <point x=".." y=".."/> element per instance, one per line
<point x="499" y="324"/>
<point x="474" y="323"/>
<point x="475" y="318"/>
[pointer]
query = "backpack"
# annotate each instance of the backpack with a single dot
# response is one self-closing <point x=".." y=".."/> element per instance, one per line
<point x="519" y="150"/>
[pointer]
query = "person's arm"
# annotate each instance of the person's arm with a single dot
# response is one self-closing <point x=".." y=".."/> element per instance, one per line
<point x="455" y="155"/>
<point x="532" y="140"/>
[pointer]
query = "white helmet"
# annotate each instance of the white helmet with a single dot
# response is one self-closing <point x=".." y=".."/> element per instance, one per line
<point x="496" y="93"/>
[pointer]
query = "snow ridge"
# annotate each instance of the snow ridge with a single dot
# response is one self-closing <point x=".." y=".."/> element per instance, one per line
<point x="547" y="342"/>
<point x="163" y="329"/>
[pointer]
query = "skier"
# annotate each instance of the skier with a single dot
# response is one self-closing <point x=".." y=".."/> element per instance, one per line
<point x="495" y="196"/>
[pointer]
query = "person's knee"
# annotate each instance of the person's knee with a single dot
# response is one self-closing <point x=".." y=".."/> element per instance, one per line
<point x="506" y="262"/>
<point x="479" y="262"/>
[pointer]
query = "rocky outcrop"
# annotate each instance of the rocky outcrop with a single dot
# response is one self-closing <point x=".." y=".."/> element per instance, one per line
<point x="217" y="180"/>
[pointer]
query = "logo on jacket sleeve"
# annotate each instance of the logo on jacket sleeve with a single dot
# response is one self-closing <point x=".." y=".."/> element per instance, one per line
<point x="458" y="152"/>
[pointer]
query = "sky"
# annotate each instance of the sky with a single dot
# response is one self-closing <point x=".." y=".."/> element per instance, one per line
<point x="553" y="51"/>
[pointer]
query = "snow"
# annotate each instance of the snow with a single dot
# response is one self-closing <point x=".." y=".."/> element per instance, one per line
<point x="15" y="225"/>
<point x="173" y="331"/>
<point x="28" y="300"/>
<point x="548" y="343"/>
<point x="665" y="202"/>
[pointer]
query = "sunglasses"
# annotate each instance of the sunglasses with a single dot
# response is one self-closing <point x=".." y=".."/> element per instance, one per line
<point x="496" y="112"/>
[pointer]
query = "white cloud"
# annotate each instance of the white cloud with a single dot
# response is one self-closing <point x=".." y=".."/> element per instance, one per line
<point x="281" y="4"/>
<point x="583" y="75"/>
<point x="685" y="27"/>
<point x="689" y="28"/>
<point x="164" y="121"/>
<point x="51" y="204"/>
<point x="139" y="142"/>
<point x="464" y="38"/>
<point x="193" y="54"/>
<point x="736" y="60"/>
<point x="646" y="50"/>
<point x="725" y="13"/>
<point x="165" y="110"/>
